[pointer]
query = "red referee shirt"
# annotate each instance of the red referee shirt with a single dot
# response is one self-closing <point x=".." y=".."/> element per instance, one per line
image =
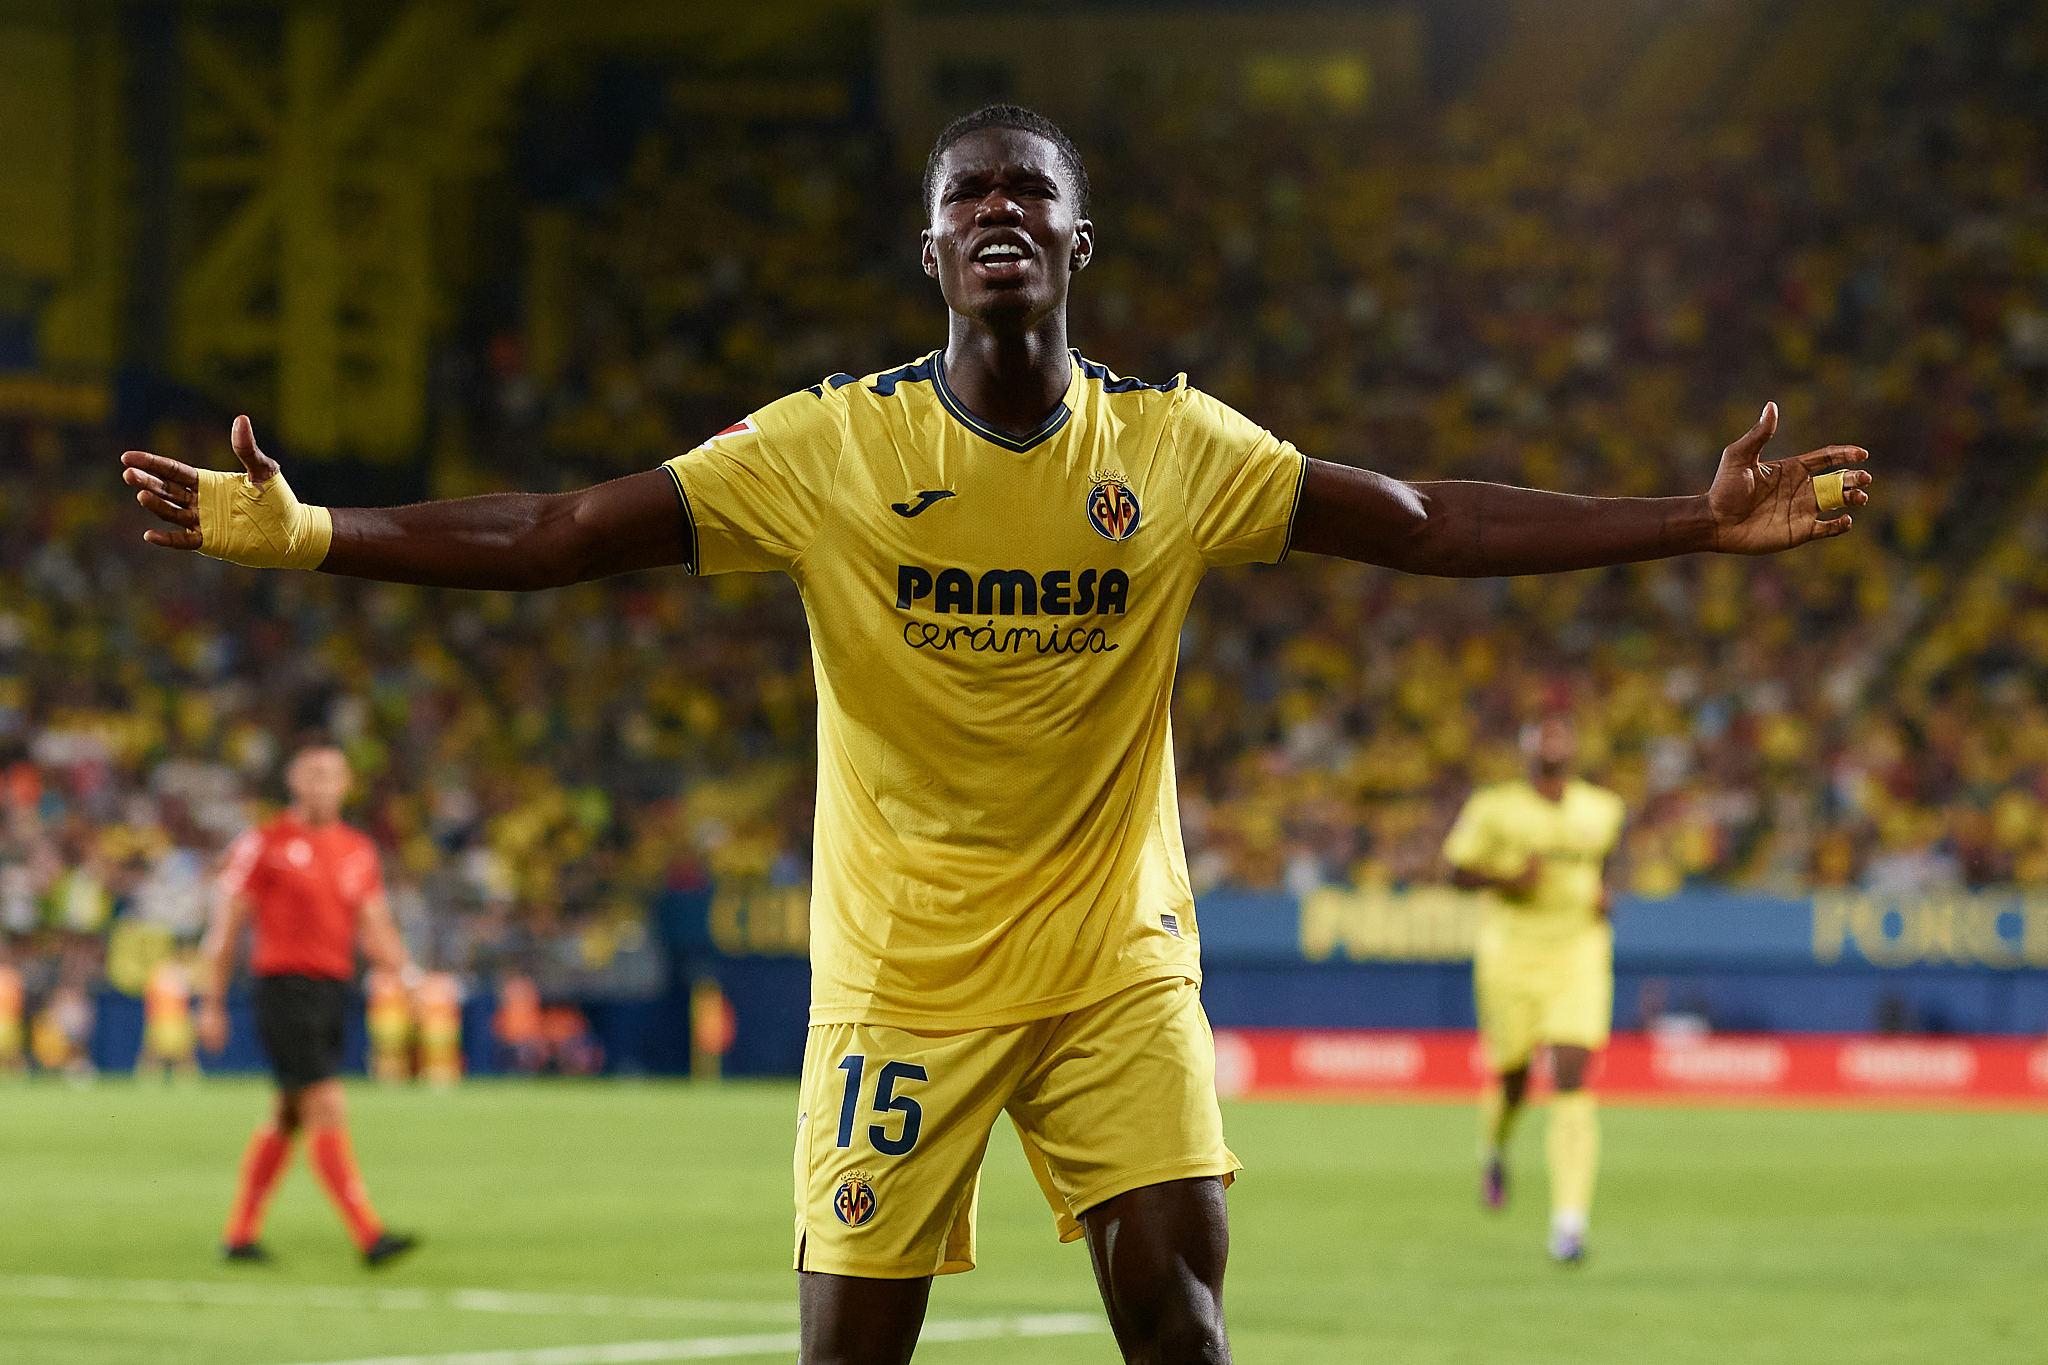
<point x="308" y="886"/>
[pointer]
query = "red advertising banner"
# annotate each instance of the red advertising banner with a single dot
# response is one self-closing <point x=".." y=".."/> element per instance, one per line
<point x="1443" y="1063"/>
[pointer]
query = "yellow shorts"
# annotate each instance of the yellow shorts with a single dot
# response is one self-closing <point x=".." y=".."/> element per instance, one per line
<point x="169" y="1039"/>
<point x="894" y="1123"/>
<point x="1562" y="993"/>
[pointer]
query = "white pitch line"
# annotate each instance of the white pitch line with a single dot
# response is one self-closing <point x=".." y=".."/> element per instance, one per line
<point x="727" y="1348"/>
<point x="222" y="1294"/>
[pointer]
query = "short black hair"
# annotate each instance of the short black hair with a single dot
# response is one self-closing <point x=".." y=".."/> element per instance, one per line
<point x="1024" y="121"/>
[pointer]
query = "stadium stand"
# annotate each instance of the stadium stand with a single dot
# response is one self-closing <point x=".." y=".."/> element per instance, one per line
<point x="1591" y="293"/>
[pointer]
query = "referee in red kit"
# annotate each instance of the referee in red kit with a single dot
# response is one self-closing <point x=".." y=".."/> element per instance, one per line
<point x="312" y="885"/>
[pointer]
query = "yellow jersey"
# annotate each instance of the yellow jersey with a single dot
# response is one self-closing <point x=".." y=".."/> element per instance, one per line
<point x="1502" y="826"/>
<point x="994" y="625"/>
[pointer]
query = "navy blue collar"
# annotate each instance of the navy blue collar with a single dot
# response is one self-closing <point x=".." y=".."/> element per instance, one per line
<point x="1050" y="427"/>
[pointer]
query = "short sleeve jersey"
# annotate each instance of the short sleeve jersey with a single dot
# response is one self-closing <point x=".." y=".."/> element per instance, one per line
<point x="308" y="885"/>
<point x="994" y="625"/>
<point x="1502" y="826"/>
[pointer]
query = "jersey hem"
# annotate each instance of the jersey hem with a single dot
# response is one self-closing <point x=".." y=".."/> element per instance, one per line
<point x="1184" y="1168"/>
<point x="1052" y="1007"/>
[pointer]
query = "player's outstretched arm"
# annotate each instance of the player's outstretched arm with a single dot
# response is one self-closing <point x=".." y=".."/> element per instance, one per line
<point x="501" y="540"/>
<point x="1517" y="887"/>
<point x="1483" y="530"/>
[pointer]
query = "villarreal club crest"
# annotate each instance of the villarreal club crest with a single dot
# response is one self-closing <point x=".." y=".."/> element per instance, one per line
<point x="854" y="1200"/>
<point x="1112" y="507"/>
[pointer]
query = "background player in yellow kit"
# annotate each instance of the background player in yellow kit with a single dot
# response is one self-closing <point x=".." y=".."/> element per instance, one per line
<point x="13" y="1033"/>
<point x="169" y="1039"/>
<point x="387" y="1019"/>
<point x="996" y="546"/>
<point x="440" y="1029"/>
<point x="1543" y="973"/>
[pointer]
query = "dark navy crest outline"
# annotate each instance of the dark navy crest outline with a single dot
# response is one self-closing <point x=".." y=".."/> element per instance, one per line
<point x="854" y="1201"/>
<point x="1113" y="509"/>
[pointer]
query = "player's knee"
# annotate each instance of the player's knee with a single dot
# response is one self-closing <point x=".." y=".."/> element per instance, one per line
<point x="1186" y="1329"/>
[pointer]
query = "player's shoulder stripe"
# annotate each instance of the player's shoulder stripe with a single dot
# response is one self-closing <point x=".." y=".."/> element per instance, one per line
<point x="1114" y="383"/>
<point x="833" y="381"/>
<point x="925" y="371"/>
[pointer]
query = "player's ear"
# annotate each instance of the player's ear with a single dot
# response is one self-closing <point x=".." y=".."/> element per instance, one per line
<point x="927" y="254"/>
<point x="1084" y="245"/>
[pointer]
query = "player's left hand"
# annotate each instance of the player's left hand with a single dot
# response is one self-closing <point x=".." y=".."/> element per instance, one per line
<point x="213" y="1026"/>
<point x="1760" y="508"/>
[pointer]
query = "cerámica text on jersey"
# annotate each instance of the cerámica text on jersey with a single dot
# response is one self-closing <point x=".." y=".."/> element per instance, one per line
<point x="1012" y="592"/>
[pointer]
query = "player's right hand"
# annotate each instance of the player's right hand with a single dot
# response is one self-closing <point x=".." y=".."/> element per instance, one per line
<point x="213" y="1026"/>
<point x="169" y="489"/>
<point x="1523" y="885"/>
<point x="251" y="518"/>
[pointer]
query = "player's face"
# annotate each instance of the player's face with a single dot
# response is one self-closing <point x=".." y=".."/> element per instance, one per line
<point x="319" y="780"/>
<point x="1556" y="747"/>
<point x="1005" y="238"/>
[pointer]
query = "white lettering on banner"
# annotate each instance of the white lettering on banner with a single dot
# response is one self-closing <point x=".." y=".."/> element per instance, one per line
<point x="1721" y="1063"/>
<point x="1358" y="1060"/>
<point x="1908" y="1065"/>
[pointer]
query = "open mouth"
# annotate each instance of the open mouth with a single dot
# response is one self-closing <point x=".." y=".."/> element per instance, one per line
<point x="1002" y="260"/>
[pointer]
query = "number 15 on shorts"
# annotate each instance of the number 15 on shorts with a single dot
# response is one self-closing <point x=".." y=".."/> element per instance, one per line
<point x="886" y="1103"/>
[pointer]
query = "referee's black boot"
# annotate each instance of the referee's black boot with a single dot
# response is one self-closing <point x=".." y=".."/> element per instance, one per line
<point x="388" y="1247"/>
<point x="248" y="1253"/>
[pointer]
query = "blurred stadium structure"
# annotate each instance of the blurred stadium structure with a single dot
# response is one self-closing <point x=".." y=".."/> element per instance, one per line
<point x="451" y="247"/>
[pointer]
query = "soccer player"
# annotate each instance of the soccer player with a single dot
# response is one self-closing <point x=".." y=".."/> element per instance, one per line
<point x="1544" y="970"/>
<point x="168" y="1038"/>
<point x="996" y="545"/>
<point x="12" y="1033"/>
<point x="313" y="889"/>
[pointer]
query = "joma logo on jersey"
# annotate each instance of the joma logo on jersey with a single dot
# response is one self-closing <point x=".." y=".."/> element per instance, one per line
<point x="1014" y="592"/>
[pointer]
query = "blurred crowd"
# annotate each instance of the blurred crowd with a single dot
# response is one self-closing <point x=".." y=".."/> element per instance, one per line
<point x="1465" y="295"/>
<point x="537" y="769"/>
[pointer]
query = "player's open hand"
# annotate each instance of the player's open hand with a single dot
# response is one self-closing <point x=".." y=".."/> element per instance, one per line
<point x="1762" y="507"/>
<point x="169" y="490"/>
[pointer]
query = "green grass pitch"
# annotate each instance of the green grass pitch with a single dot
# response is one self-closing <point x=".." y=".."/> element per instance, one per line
<point x="1720" y="1235"/>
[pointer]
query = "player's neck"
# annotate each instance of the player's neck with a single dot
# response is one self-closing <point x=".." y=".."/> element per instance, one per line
<point x="1549" y="786"/>
<point x="312" y="819"/>
<point x="1011" y="380"/>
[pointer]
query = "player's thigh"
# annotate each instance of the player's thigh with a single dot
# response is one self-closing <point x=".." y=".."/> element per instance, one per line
<point x="1123" y="1095"/>
<point x="1579" y="1007"/>
<point x="1509" y="1005"/>
<point x="889" y="1145"/>
<point x="847" y="1321"/>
